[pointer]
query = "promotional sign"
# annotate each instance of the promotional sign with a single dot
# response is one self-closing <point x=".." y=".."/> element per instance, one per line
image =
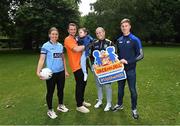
<point x="107" y="66"/>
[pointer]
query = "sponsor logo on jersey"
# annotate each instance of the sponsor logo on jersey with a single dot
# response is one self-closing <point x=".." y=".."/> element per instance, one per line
<point x="105" y="45"/>
<point x="57" y="55"/>
<point x="128" y="42"/>
<point x="96" y="47"/>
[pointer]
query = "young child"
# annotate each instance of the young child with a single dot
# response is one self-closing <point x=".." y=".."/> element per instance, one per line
<point x="84" y="39"/>
<point x="52" y="54"/>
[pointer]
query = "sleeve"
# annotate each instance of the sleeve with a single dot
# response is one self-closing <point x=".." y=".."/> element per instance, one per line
<point x="91" y="48"/>
<point x="138" y="52"/>
<point x="44" y="49"/>
<point x="112" y="44"/>
<point x="61" y="48"/>
<point x="91" y="38"/>
<point x="117" y="46"/>
<point x="79" y="40"/>
<point x="69" y="44"/>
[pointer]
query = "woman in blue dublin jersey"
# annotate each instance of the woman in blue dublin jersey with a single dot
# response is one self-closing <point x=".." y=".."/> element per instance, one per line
<point x="52" y="55"/>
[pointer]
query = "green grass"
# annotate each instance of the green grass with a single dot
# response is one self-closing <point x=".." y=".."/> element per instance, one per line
<point x="22" y="94"/>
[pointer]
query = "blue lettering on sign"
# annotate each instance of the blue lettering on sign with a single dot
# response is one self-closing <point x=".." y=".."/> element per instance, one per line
<point x="112" y="77"/>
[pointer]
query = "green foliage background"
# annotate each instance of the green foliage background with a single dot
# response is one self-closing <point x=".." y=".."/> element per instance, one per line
<point x="152" y="20"/>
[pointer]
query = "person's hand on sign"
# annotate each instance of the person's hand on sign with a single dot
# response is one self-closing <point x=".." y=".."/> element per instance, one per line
<point x="123" y="61"/>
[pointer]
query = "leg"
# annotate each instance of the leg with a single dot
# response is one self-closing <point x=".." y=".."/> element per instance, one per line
<point x="83" y="62"/>
<point x="121" y="85"/>
<point x="108" y="93"/>
<point x="99" y="89"/>
<point x="83" y="89"/>
<point x="86" y="104"/>
<point x="119" y="105"/>
<point x="60" y="86"/>
<point x="80" y="87"/>
<point x="60" y="80"/>
<point x="100" y="92"/>
<point x="108" y="96"/>
<point x="50" y="84"/>
<point x="132" y="87"/>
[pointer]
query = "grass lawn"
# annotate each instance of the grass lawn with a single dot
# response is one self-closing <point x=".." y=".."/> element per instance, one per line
<point x="22" y="94"/>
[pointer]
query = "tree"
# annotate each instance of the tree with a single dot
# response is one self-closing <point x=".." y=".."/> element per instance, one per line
<point x="176" y="19"/>
<point x="90" y="23"/>
<point x="6" y="24"/>
<point x="162" y="27"/>
<point x="34" y="18"/>
<point x="152" y="20"/>
<point x="109" y="13"/>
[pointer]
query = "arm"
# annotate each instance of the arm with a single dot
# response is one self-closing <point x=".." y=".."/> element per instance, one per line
<point x="73" y="45"/>
<point x="138" y="51"/>
<point x="40" y="65"/>
<point x="140" y="56"/>
<point x="90" y="47"/>
<point x="116" y="47"/>
<point x="65" y="68"/>
<point x="78" y="48"/>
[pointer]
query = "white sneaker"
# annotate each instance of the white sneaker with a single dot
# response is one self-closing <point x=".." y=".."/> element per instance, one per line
<point x="62" y="108"/>
<point x="108" y="107"/>
<point x="135" y="114"/>
<point x="82" y="109"/>
<point x="86" y="104"/>
<point x="51" y="114"/>
<point x="85" y="76"/>
<point x="98" y="104"/>
<point x="117" y="107"/>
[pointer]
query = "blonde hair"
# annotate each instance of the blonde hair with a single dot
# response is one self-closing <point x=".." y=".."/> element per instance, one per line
<point x="125" y="20"/>
<point x="53" y="29"/>
<point x="100" y="28"/>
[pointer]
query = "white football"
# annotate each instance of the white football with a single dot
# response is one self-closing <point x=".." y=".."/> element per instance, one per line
<point x="46" y="73"/>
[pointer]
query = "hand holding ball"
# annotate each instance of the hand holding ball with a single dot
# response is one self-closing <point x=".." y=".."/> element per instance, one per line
<point x="46" y="73"/>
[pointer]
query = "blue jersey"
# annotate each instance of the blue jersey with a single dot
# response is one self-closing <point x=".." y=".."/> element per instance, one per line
<point x="87" y="40"/>
<point x="129" y="48"/>
<point x="99" y="45"/>
<point x="53" y="54"/>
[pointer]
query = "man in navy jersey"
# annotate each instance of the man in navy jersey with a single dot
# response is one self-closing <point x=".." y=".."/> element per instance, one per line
<point x="129" y="51"/>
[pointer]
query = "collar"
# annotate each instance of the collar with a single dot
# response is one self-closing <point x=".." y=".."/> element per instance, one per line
<point x="127" y="35"/>
<point x="74" y="37"/>
<point x="102" y="40"/>
<point x="52" y="42"/>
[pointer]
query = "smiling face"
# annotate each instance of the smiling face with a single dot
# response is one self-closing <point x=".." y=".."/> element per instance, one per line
<point x="100" y="33"/>
<point x="72" y="30"/>
<point x="125" y="28"/>
<point x="53" y="35"/>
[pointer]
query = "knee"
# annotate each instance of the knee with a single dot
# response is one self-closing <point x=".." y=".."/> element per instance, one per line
<point x="49" y="93"/>
<point x="98" y="85"/>
<point x="133" y="93"/>
<point x="108" y="86"/>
